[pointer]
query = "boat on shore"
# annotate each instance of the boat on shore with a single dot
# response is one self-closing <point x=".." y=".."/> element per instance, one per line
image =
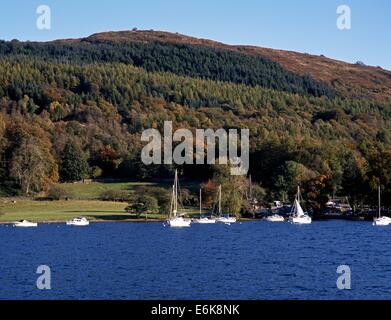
<point x="78" y="222"/>
<point x="298" y="216"/>
<point x="25" y="224"/>
<point x="381" y="221"/>
<point x="176" y="219"/>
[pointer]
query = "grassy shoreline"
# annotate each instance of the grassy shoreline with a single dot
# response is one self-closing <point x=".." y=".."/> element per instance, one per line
<point x="62" y="210"/>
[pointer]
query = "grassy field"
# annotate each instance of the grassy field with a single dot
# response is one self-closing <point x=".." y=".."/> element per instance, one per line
<point x="84" y="201"/>
<point x="61" y="210"/>
<point x="93" y="190"/>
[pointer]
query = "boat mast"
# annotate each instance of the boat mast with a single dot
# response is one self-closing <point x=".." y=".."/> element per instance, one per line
<point x="200" y="202"/>
<point x="251" y="189"/>
<point x="379" y="204"/>
<point x="171" y="214"/>
<point x="174" y="201"/>
<point x="220" y="200"/>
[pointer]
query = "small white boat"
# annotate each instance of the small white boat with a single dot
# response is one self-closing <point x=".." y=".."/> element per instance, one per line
<point x="381" y="221"/>
<point x="175" y="219"/>
<point x="179" y="222"/>
<point x="274" y="218"/>
<point x="304" y="219"/>
<point x="203" y="220"/>
<point x="25" y="224"/>
<point x="227" y="219"/>
<point x="297" y="214"/>
<point x="79" y="222"/>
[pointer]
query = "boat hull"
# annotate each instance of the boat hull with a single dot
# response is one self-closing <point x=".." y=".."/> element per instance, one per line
<point x="78" y="224"/>
<point x="25" y="224"/>
<point x="205" y="221"/>
<point x="301" y="220"/>
<point x="382" y="221"/>
<point x="226" y="220"/>
<point x="275" y="218"/>
<point x="179" y="223"/>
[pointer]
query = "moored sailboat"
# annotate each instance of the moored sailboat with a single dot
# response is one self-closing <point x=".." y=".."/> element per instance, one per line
<point x="381" y="220"/>
<point x="298" y="216"/>
<point x="227" y="219"/>
<point x="203" y="220"/>
<point x="175" y="218"/>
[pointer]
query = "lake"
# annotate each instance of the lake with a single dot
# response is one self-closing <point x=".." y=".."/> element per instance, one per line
<point x="249" y="260"/>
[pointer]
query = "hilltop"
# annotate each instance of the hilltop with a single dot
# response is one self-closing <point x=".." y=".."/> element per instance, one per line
<point x="355" y="80"/>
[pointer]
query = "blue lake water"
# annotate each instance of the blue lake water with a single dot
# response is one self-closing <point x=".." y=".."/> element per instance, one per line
<point x="251" y="260"/>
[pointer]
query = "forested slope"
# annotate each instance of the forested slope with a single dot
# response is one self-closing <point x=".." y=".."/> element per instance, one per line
<point x="90" y="99"/>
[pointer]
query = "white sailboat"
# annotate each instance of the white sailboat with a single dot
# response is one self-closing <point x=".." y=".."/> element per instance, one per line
<point x="297" y="214"/>
<point x="227" y="219"/>
<point x="203" y="220"/>
<point x="381" y="220"/>
<point x="176" y="220"/>
<point x="25" y="224"/>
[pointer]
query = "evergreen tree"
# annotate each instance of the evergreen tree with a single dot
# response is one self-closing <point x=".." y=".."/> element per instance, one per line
<point x="73" y="164"/>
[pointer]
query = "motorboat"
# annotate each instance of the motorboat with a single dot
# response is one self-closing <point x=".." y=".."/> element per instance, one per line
<point x="274" y="218"/>
<point x="25" y="224"/>
<point x="79" y="222"/>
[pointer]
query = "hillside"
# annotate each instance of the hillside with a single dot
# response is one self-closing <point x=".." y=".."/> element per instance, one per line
<point x="75" y="108"/>
<point x="354" y="80"/>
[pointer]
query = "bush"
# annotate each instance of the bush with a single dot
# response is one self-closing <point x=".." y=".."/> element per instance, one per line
<point x="142" y="204"/>
<point x="115" y="195"/>
<point x="57" y="193"/>
<point x="162" y="195"/>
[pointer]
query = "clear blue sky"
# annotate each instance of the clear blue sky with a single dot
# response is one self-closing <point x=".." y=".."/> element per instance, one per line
<point x="300" y="25"/>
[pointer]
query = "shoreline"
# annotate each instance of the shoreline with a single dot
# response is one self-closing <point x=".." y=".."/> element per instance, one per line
<point x="91" y="221"/>
<point x="112" y="220"/>
<point x="140" y="220"/>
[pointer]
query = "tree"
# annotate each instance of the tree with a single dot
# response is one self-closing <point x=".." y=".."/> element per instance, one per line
<point x="73" y="164"/>
<point x="143" y="204"/>
<point x="32" y="165"/>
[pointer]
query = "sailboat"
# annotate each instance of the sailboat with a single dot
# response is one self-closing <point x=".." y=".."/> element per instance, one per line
<point x="227" y="219"/>
<point x="297" y="214"/>
<point x="381" y="220"/>
<point x="176" y="219"/>
<point x="203" y="220"/>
